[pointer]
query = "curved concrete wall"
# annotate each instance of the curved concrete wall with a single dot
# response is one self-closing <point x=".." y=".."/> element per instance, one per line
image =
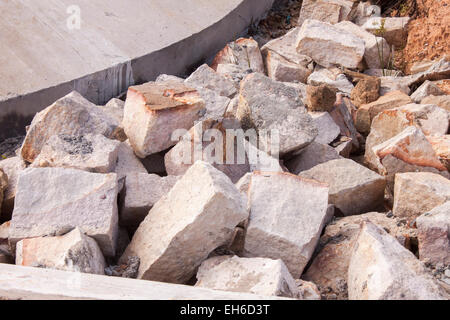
<point x="119" y="43"/>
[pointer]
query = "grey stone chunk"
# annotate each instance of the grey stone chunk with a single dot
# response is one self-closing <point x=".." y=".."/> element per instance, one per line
<point x="53" y="201"/>
<point x="73" y="115"/>
<point x="418" y="192"/>
<point x="93" y="153"/>
<point x="73" y="251"/>
<point x="354" y="189"/>
<point x="140" y="193"/>
<point x="207" y="78"/>
<point x="312" y="155"/>
<point x="267" y="105"/>
<point x="253" y="275"/>
<point x="382" y="269"/>
<point x="287" y="214"/>
<point x="197" y="216"/>
<point x="434" y="232"/>
<point x="330" y="46"/>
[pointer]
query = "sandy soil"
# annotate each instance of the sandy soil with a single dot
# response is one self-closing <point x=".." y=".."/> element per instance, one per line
<point x="428" y="33"/>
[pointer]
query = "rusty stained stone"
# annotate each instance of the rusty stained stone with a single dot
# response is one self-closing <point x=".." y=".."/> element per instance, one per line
<point x="160" y="96"/>
<point x="153" y="111"/>
<point x="243" y="52"/>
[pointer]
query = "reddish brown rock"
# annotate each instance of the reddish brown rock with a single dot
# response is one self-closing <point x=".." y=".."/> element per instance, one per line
<point x="320" y="98"/>
<point x="366" y="91"/>
<point x="243" y="52"/>
<point x="367" y="112"/>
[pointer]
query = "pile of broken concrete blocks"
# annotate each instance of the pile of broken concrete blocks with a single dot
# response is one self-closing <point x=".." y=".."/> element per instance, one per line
<point x="101" y="190"/>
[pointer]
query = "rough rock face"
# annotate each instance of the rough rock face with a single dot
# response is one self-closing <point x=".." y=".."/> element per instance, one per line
<point x="434" y="232"/>
<point x="331" y="11"/>
<point x="377" y="51"/>
<point x="441" y="145"/>
<point x="394" y="29"/>
<point x="93" y="153"/>
<point x="3" y="186"/>
<point x="389" y="123"/>
<point x="72" y="115"/>
<point x="394" y="83"/>
<point x="335" y="80"/>
<point x="311" y="156"/>
<point x="268" y="105"/>
<point x="428" y="88"/>
<point x="320" y="98"/>
<point x="418" y="192"/>
<point x="114" y="108"/>
<point x="47" y="205"/>
<point x="328" y="129"/>
<point x="283" y="62"/>
<point x="153" y="111"/>
<point x="11" y="168"/>
<point x="354" y="189"/>
<point x="366" y="91"/>
<point x="186" y="225"/>
<point x="73" y="251"/>
<point x="253" y="275"/>
<point x="382" y="269"/>
<point x="215" y="89"/>
<point x="409" y="151"/>
<point x="329" y="268"/>
<point x="140" y="193"/>
<point x="186" y="152"/>
<point x="281" y="69"/>
<point x="441" y="101"/>
<point x="205" y="77"/>
<point x="328" y="45"/>
<point x="287" y="214"/>
<point x="367" y="112"/>
<point x="243" y="52"/>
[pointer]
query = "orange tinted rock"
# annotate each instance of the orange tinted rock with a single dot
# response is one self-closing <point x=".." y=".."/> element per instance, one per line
<point x="367" y="112"/>
<point x="243" y="52"/>
<point x="153" y="111"/>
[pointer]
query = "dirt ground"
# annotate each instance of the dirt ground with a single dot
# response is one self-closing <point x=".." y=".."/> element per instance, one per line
<point x="428" y="32"/>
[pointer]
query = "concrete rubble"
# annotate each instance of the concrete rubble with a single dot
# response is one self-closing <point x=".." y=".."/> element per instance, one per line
<point x="433" y="233"/>
<point x="328" y="45"/>
<point x="282" y="111"/>
<point x="261" y="276"/>
<point x="329" y="268"/>
<point x="416" y="193"/>
<point x="164" y="240"/>
<point x="382" y="269"/>
<point x="93" y="153"/>
<point x="71" y="115"/>
<point x="294" y="164"/>
<point x="47" y="205"/>
<point x="73" y="251"/>
<point x="153" y="111"/>
<point x="287" y="214"/>
<point x="354" y="189"/>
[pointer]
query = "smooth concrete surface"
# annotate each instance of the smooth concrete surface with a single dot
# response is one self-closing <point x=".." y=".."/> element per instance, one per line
<point x="27" y="283"/>
<point x="119" y="43"/>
